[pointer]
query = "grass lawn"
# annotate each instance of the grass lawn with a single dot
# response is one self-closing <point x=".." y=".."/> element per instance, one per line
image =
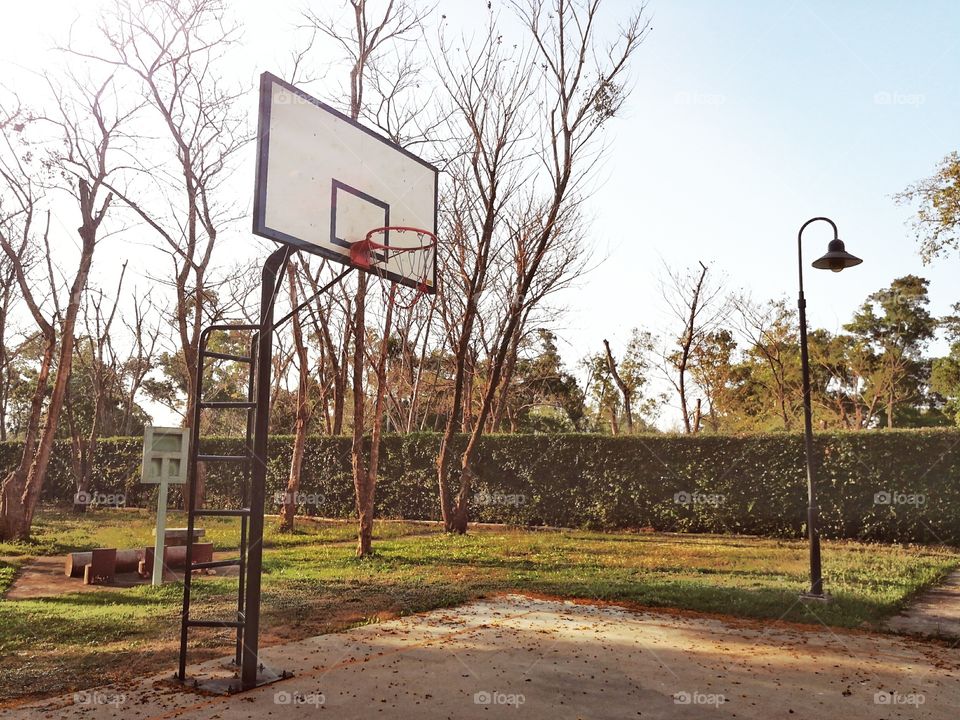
<point x="313" y="584"/>
<point x="57" y="532"/>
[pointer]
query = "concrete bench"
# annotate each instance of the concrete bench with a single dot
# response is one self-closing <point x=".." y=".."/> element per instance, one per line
<point x="126" y="561"/>
<point x="175" y="557"/>
<point x="102" y="567"/>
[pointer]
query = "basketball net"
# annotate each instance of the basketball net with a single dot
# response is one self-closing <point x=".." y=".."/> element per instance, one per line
<point x="394" y="251"/>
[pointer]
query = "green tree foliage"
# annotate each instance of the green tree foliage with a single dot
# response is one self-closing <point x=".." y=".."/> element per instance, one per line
<point x="937" y="198"/>
<point x="874" y="374"/>
<point x="715" y="373"/>
<point x="635" y="369"/>
<point x="22" y="370"/>
<point x="543" y="397"/>
<point x="896" y="324"/>
<point x="842" y="373"/>
<point x="945" y="371"/>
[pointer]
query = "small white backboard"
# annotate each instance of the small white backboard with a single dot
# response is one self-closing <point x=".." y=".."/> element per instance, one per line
<point x="324" y="181"/>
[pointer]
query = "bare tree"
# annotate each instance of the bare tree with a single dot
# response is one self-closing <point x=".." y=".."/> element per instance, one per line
<point x="699" y="306"/>
<point x="367" y="44"/>
<point x="491" y="99"/>
<point x="94" y="356"/>
<point x="303" y="408"/>
<point x="141" y="358"/>
<point x="578" y="93"/>
<point x="85" y="130"/>
<point x="20" y="198"/>
<point x="174" y="48"/>
<point x="563" y="263"/>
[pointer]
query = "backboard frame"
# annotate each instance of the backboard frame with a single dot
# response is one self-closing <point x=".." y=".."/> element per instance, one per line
<point x="260" y="227"/>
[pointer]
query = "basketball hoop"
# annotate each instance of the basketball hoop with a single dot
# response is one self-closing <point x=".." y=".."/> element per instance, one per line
<point x="398" y="251"/>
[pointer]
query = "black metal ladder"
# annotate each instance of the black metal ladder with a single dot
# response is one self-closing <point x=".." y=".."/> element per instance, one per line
<point x="257" y="404"/>
<point x="193" y="512"/>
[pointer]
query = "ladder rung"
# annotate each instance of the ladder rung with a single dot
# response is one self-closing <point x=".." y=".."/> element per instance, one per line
<point x="223" y="458"/>
<point x="226" y="356"/>
<point x="223" y="512"/>
<point x="228" y="404"/>
<point x="215" y="623"/>
<point x="215" y="564"/>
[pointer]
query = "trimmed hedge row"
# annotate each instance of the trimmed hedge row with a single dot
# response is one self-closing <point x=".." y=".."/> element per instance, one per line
<point x="891" y="486"/>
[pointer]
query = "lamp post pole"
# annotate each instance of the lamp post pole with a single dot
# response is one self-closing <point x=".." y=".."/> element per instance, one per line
<point x="816" y="577"/>
<point x="836" y="259"/>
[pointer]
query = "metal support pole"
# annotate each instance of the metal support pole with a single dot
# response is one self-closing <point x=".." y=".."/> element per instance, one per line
<point x="245" y="493"/>
<point x="158" y="542"/>
<point x="272" y="269"/>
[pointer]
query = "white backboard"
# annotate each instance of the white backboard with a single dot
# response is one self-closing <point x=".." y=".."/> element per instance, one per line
<point x="165" y="454"/>
<point x="324" y="180"/>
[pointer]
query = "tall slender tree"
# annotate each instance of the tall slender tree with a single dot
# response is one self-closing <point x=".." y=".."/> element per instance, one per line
<point x="367" y="42"/>
<point x="576" y="93"/>
<point x="174" y="50"/>
<point x="86" y="125"/>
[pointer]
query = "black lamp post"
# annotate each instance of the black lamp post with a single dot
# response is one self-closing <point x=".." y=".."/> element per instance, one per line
<point x="835" y="259"/>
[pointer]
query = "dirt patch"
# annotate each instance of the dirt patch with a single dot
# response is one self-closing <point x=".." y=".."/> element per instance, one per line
<point x="43" y="577"/>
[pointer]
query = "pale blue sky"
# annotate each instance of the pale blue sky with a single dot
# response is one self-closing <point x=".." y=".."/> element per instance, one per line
<point x="749" y="118"/>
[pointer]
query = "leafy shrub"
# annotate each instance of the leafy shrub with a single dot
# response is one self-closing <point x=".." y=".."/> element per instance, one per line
<point x="891" y="485"/>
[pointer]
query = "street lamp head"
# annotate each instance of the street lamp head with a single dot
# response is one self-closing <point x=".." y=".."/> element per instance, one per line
<point x="836" y="258"/>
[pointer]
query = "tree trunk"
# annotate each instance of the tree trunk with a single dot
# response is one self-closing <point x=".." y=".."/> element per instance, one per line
<point x="303" y="411"/>
<point x="783" y="409"/>
<point x="339" y="395"/>
<point x="624" y="389"/>
<point x="12" y="511"/>
<point x="415" y="388"/>
<point x="201" y="471"/>
<point x="686" y="346"/>
<point x="500" y="405"/>
<point x="366" y="500"/>
<point x="38" y="469"/>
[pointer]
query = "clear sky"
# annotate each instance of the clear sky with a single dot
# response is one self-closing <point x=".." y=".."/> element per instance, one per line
<point x="746" y="118"/>
<point x="749" y="118"/>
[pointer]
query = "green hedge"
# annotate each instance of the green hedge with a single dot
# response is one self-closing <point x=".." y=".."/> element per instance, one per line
<point x="746" y="484"/>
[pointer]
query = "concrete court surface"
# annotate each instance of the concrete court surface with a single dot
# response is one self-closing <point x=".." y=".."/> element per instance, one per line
<point x="520" y="657"/>
<point x="936" y="612"/>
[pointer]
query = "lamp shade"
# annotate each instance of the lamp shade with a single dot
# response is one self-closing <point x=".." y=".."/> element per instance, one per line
<point x="836" y="258"/>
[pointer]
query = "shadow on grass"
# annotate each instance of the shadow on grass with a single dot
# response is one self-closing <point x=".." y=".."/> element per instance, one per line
<point x="780" y="603"/>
